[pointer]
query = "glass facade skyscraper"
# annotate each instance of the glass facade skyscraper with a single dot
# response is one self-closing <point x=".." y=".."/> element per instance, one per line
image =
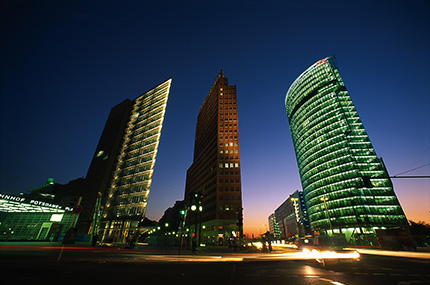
<point x="128" y="190"/>
<point x="346" y="186"/>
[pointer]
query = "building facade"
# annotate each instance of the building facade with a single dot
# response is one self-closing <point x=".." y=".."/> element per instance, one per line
<point x="274" y="226"/>
<point x="214" y="176"/>
<point x="346" y="186"/>
<point x="26" y="218"/>
<point x="124" y="162"/>
<point x="292" y="217"/>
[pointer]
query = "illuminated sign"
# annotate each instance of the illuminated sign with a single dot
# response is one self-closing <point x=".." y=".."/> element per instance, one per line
<point x="321" y="61"/>
<point x="11" y="198"/>
<point x="33" y="202"/>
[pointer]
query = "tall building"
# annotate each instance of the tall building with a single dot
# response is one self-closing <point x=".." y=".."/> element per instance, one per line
<point x="102" y="166"/>
<point x="120" y="173"/>
<point x="91" y="192"/>
<point x="214" y="176"/>
<point x="346" y="186"/>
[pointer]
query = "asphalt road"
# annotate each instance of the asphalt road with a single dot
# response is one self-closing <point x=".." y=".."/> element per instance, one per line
<point x="101" y="266"/>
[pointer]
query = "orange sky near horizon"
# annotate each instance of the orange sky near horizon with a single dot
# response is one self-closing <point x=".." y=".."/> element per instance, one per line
<point x="413" y="194"/>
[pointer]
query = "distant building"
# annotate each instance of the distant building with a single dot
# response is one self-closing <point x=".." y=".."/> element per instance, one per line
<point x="215" y="172"/>
<point x="274" y="226"/>
<point x="346" y="186"/>
<point x="173" y="217"/>
<point x="292" y="217"/>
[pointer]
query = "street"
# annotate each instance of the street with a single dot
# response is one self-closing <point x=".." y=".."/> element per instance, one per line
<point x="86" y="265"/>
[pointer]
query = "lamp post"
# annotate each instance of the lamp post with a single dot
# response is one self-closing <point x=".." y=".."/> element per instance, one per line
<point x="197" y="232"/>
<point x="325" y="199"/>
<point x="183" y="214"/>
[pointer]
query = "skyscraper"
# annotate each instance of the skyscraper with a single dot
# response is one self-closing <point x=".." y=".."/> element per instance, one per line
<point x="123" y="164"/>
<point x="102" y="165"/>
<point x="346" y="186"/>
<point x="215" y="172"/>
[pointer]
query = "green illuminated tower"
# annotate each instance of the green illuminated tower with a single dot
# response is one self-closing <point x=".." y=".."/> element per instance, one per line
<point x="347" y="188"/>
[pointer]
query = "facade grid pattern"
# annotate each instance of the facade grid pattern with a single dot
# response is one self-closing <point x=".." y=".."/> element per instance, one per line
<point x="346" y="186"/>
<point x="215" y="171"/>
<point x="129" y="188"/>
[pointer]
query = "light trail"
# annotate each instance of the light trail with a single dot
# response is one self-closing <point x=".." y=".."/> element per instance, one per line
<point x="410" y="254"/>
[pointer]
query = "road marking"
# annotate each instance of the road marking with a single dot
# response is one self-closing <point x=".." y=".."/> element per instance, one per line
<point x="331" y="281"/>
<point x="377" y="273"/>
<point x="397" y="274"/>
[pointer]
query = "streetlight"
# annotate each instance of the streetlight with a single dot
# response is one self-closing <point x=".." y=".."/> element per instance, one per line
<point x="325" y="199"/>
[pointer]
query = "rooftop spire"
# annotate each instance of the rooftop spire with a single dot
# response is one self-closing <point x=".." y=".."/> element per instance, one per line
<point x="220" y="73"/>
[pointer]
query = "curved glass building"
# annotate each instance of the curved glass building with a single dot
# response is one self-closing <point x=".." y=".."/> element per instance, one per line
<point x="346" y="186"/>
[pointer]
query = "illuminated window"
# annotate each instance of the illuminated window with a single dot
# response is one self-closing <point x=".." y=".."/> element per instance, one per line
<point x="56" y="217"/>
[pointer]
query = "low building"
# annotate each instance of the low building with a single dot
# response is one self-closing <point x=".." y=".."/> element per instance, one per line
<point x="23" y="218"/>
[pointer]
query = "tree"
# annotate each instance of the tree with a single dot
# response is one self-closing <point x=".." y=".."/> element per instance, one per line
<point x="420" y="233"/>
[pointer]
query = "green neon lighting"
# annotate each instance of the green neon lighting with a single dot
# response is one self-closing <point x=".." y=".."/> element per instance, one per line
<point x="335" y="157"/>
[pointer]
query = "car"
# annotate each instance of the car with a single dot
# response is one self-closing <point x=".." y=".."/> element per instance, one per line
<point x="329" y="250"/>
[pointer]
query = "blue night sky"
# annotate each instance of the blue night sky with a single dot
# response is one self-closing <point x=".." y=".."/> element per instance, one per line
<point x="65" y="64"/>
